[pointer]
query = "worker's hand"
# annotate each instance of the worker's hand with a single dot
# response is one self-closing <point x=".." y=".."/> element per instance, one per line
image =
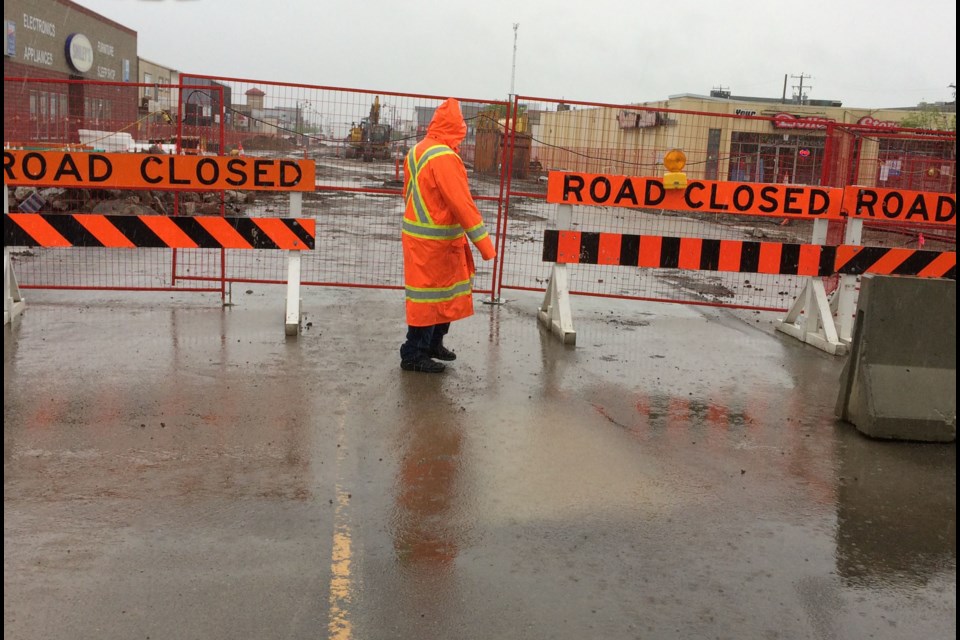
<point x="488" y="253"/>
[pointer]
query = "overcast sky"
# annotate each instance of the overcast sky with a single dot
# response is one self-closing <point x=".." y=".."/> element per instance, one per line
<point x="876" y="53"/>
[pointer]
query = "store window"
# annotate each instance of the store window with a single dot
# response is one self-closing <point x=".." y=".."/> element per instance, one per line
<point x="96" y="110"/>
<point x="48" y="115"/>
<point x="775" y="157"/>
<point x="713" y="154"/>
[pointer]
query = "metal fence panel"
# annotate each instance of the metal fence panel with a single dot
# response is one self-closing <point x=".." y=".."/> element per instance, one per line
<point x="358" y="139"/>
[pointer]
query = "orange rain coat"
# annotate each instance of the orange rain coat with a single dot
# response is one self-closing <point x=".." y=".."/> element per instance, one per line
<point x="440" y="215"/>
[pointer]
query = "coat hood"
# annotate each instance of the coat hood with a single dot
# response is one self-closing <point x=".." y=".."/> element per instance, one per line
<point x="447" y="124"/>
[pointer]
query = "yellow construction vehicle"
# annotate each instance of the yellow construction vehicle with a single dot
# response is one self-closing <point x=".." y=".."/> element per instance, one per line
<point x="370" y="140"/>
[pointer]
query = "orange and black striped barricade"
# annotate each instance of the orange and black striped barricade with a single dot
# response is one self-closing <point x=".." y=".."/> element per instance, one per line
<point x="878" y="206"/>
<point x="811" y="318"/>
<point x="826" y="321"/>
<point x="46" y="230"/>
<point x="144" y="171"/>
<point x="815" y="261"/>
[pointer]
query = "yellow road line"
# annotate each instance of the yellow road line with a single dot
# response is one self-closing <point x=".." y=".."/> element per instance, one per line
<point x="339" y="626"/>
<point x="341" y="582"/>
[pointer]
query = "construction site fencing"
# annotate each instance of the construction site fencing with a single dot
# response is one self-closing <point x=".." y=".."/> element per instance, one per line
<point x="632" y="140"/>
<point x="358" y="139"/>
<point x="903" y="159"/>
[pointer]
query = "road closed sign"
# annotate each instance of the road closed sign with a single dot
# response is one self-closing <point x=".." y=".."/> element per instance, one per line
<point x="755" y="199"/>
<point x="896" y="205"/>
<point x="742" y="198"/>
<point x="155" y="171"/>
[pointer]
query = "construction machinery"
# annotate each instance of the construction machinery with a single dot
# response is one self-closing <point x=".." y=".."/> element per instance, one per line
<point x="370" y="140"/>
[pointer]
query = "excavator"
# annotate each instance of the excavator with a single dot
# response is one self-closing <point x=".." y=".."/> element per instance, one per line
<point x="370" y="140"/>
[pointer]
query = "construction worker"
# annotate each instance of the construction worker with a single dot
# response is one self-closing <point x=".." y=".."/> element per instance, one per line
<point x="438" y="266"/>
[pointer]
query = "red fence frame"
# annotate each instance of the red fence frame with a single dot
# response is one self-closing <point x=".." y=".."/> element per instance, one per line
<point x="509" y="194"/>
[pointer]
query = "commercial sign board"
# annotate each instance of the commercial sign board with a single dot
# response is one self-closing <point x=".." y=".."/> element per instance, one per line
<point x="791" y="121"/>
<point x="79" y="52"/>
<point x="51" y="36"/>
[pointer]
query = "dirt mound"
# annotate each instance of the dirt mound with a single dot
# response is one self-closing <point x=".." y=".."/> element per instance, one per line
<point x="268" y="143"/>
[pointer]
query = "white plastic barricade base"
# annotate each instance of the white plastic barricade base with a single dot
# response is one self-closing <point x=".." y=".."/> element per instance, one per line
<point x="13" y="302"/>
<point x="843" y="304"/>
<point x="555" y="310"/>
<point x="291" y="325"/>
<point x="810" y="320"/>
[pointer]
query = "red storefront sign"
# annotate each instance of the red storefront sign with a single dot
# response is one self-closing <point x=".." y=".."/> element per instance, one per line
<point x="870" y="121"/>
<point x="790" y="121"/>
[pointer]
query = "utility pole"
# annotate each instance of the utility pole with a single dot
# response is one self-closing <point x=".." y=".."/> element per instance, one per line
<point x="799" y="96"/>
<point x="513" y="72"/>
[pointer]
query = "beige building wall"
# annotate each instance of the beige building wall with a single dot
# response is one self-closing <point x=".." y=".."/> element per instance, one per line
<point x="598" y="143"/>
<point x="38" y="31"/>
<point x="159" y="97"/>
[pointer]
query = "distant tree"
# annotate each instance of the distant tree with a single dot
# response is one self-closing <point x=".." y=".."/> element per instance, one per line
<point x="931" y="116"/>
<point x="493" y="115"/>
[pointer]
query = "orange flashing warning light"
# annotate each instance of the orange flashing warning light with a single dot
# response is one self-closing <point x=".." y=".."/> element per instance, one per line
<point x="675" y="178"/>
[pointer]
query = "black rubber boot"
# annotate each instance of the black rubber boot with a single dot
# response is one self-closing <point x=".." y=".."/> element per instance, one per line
<point x="424" y="365"/>
<point x="442" y="353"/>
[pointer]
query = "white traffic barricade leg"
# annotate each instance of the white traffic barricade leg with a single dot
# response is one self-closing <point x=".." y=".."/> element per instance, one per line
<point x="13" y="302"/>
<point x="292" y="322"/>
<point x="844" y="302"/>
<point x="292" y="317"/>
<point x="810" y="319"/>
<point x="555" y="310"/>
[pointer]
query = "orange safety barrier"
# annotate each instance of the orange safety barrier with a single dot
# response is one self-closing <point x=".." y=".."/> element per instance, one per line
<point x="122" y="231"/>
<point x="580" y="247"/>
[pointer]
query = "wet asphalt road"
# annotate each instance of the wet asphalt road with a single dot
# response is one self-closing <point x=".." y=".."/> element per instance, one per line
<point x="173" y="469"/>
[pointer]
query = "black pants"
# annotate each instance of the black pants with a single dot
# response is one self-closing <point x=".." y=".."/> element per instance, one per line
<point x="421" y="341"/>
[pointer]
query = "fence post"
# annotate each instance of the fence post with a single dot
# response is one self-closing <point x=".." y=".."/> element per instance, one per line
<point x="503" y="200"/>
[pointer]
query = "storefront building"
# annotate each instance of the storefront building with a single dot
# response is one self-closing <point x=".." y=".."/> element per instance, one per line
<point x="58" y="39"/>
<point x="748" y="140"/>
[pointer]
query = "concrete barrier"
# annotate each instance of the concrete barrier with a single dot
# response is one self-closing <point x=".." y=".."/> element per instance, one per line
<point x="900" y="379"/>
